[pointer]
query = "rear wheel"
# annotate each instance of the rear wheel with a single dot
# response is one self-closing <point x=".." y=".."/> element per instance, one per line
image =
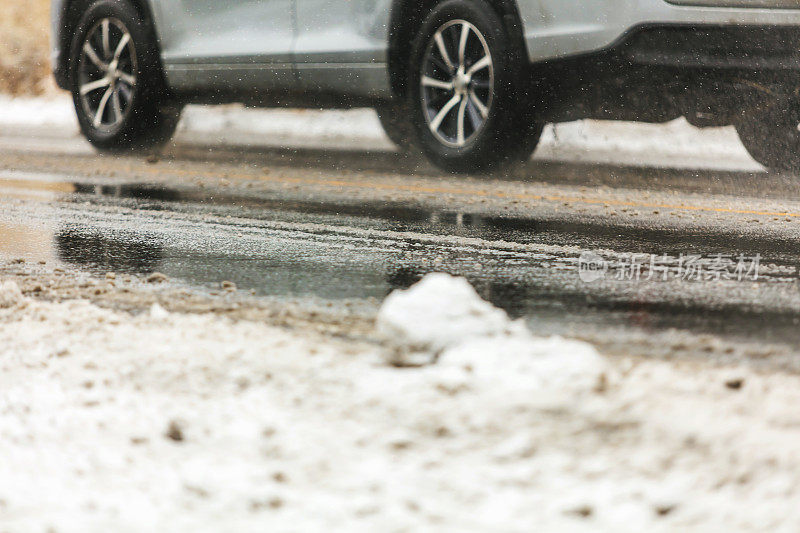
<point x="117" y="84"/>
<point x="464" y="82"/>
<point x="772" y="137"/>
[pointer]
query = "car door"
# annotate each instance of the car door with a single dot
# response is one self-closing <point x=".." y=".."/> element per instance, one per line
<point x="341" y="45"/>
<point x="227" y="43"/>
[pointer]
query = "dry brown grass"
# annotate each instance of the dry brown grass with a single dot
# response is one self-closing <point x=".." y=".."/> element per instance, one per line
<point x="25" y="47"/>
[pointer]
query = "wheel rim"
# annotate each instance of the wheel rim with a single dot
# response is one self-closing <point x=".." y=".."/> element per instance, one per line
<point x="107" y="74"/>
<point x="457" y="83"/>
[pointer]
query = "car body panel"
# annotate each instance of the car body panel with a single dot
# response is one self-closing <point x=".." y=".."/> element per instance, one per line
<point x="236" y="31"/>
<point x="238" y="44"/>
<point x="555" y="29"/>
<point x="779" y="4"/>
<point x="341" y="46"/>
<point x="341" y="31"/>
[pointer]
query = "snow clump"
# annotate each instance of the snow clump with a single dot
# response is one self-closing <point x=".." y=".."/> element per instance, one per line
<point x="438" y="312"/>
<point x="158" y="313"/>
<point x="10" y="294"/>
<point x="442" y="319"/>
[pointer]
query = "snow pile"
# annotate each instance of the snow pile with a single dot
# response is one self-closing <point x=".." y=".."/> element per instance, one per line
<point x="439" y="312"/>
<point x="164" y="421"/>
<point x="674" y="143"/>
<point x="287" y="124"/>
<point x="10" y="294"/>
<point x="443" y="318"/>
<point x="57" y="113"/>
<point x="158" y="313"/>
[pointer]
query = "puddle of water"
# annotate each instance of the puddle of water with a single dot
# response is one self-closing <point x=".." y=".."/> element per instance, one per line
<point x="401" y="217"/>
<point x="278" y="269"/>
<point x="97" y="253"/>
<point x="521" y="291"/>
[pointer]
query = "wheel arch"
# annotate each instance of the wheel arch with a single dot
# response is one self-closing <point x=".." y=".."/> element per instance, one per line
<point x="71" y="14"/>
<point x="407" y="16"/>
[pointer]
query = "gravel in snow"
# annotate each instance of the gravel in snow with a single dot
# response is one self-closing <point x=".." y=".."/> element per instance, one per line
<point x="173" y="422"/>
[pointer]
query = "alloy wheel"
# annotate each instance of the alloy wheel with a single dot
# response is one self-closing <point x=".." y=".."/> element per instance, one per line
<point x="457" y="83"/>
<point x="107" y="74"/>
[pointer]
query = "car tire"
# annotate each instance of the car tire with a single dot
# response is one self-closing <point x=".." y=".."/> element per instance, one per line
<point x="118" y="88"/>
<point x="466" y="97"/>
<point x="771" y="137"/>
<point x="395" y="123"/>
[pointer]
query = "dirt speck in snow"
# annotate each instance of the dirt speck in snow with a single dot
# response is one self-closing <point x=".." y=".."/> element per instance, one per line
<point x="157" y="277"/>
<point x="174" y="431"/>
<point x="735" y="383"/>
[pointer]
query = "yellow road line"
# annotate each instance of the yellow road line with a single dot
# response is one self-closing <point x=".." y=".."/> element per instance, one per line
<point x="461" y="191"/>
<point x="481" y="193"/>
<point x="54" y="186"/>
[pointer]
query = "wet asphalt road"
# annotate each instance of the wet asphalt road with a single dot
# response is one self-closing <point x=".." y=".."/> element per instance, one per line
<point x="704" y="252"/>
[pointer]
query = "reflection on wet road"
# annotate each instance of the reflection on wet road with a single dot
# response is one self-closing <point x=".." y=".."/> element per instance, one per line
<point x="355" y="223"/>
<point x="280" y="245"/>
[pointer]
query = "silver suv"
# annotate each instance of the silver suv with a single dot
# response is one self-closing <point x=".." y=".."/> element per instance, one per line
<point x="468" y="82"/>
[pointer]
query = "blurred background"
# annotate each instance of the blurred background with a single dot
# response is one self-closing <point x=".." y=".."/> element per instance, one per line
<point x="25" y="48"/>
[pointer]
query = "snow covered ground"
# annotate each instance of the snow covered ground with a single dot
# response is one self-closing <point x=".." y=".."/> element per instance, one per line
<point x="446" y="417"/>
<point x="453" y="418"/>
<point x="674" y="144"/>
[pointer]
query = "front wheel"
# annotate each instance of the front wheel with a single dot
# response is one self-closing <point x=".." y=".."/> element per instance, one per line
<point x="117" y="84"/>
<point x="468" y="109"/>
<point x="772" y="137"/>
